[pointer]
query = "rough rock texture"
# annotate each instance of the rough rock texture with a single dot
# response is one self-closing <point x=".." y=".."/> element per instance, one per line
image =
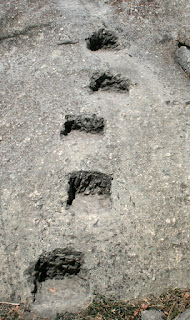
<point x="54" y="265"/>
<point x="108" y="82"/>
<point x="183" y="58"/>
<point x="136" y="241"/>
<point x="102" y="39"/>
<point x="153" y="315"/>
<point x="184" y="36"/>
<point x="70" y="293"/>
<point x="88" y="182"/>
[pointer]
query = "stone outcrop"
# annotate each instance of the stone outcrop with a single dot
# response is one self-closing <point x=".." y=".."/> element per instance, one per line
<point x="101" y="204"/>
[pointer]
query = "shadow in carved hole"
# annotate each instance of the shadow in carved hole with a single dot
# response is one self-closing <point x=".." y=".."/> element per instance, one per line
<point x="102" y="39"/>
<point x="109" y="82"/>
<point x="181" y="44"/>
<point x="84" y="122"/>
<point x="88" y="183"/>
<point x="54" y="265"/>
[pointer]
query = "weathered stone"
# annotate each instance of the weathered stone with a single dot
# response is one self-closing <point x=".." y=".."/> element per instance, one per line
<point x="183" y="58"/>
<point x="54" y="296"/>
<point x="184" y="36"/>
<point x="133" y="237"/>
<point x="153" y="315"/>
<point x="54" y="265"/>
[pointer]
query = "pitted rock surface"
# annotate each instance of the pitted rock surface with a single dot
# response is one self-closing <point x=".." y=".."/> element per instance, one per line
<point x="54" y="265"/>
<point x="108" y="82"/>
<point x="134" y="238"/>
<point x="87" y="123"/>
<point x="88" y="182"/>
<point x="102" y="39"/>
<point x="153" y="315"/>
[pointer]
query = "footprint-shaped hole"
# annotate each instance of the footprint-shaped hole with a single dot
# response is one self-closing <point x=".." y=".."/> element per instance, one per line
<point x="108" y="82"/>
<point x="87" y="123"/>
<point x="88" y="183"/>
<point x="102" y="39"/>
<point x="54" y="265"/>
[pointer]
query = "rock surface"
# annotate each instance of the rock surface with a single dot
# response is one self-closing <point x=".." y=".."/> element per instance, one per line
<point x="134" y="242"/>
<point x="153" y="315"/>
<point x="184" y="36"/>
<point x="183" y="58"/>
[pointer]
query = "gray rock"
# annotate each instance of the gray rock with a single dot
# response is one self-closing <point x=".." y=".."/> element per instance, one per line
<point x="153" y="315"/>
<point x="184" y="316"/>
<point x="130" y="231"/>
<point x="183" y="58"/>
<point x="184" y="36"/>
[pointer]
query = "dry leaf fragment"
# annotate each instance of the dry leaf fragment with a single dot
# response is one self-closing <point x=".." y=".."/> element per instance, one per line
<point x="186" y="295"/>
<point x="15" y="308"/>
<point x="136" y="313"/>
<point x="144" y="306"/>
<point x="98" y="317"/>
<point x="52" y="290"/>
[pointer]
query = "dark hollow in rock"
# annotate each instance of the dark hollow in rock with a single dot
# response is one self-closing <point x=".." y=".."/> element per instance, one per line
<point x="102" y="39"/>
<point x="87" y="123"/>
<point x="55" y="265"/>
<point x="88" y="182"/>
<point x="182" y="44"/>
<point x="108" y="82"/>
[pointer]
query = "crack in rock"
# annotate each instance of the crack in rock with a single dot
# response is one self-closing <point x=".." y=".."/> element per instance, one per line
<point x="109" y="82"/>
<point x="102" y="39"/>
<point x="66" y="42"/>
<point x="87" y="123"/>
<point x="88" y="182"/>
<point x="24" y="31"/>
